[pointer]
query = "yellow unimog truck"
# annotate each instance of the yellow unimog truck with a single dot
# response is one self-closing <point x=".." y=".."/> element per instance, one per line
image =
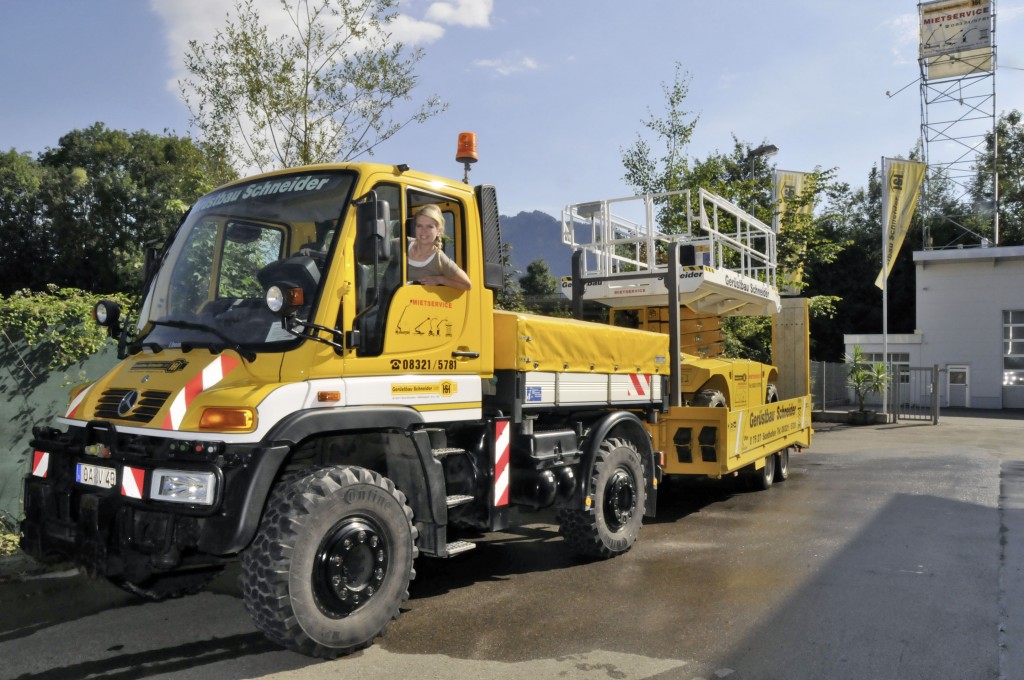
<point x="287" y="397"/>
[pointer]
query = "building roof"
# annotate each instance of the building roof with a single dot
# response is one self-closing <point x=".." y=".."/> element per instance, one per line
<point x="969" y="254"/>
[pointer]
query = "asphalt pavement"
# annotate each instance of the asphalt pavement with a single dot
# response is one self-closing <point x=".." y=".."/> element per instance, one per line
<point x="893" y="551"/>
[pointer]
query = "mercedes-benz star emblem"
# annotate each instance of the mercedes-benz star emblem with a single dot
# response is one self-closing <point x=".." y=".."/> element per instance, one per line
<point x="128" y="402"/>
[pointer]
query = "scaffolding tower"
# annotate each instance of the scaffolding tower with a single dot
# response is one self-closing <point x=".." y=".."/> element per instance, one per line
<point x="958" y="106"/>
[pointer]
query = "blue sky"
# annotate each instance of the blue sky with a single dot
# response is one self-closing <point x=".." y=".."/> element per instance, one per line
<point x="555" y="89"/>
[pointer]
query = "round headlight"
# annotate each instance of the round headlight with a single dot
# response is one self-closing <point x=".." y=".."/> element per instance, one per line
<point x="275" y="299"/>
<point x="107" y="313"/>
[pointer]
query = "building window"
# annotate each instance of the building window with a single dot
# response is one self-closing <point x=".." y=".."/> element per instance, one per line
<point x="897" y="360"/>
<point x="1013" y="348"/>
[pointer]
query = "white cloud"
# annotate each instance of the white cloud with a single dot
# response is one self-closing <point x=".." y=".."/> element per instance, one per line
<point x="905" y="31"/>
<point x="415" y="32"/>
<point x="469" y="13"/>
<point x="200" y="20"/>
<point x="505" y="67"/>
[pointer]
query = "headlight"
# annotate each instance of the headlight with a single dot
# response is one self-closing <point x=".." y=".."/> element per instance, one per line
<point x="275" y="299"/>
<point x="284" y="298"/>
<point x="108" y="314"/>
<point x="183" y="486"/>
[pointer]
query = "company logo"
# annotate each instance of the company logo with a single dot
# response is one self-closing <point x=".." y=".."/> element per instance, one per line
<point x="127" y="403"/>
<point x="896" y="183"/>
<point x="165" y="366"/>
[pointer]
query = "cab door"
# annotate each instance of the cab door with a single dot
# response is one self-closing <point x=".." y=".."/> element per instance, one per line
<point x="431" y="344"/>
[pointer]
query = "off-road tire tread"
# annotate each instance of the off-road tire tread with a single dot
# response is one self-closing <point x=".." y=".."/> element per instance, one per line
<point x="265" y="563"/>
<point x="580" y="528"/>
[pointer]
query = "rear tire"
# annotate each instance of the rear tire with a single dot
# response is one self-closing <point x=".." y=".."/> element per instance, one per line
<point x="619" y="494"/>
<point x="761" y="480"/>
<point x="331" y="562"/>
<point x="782" y="465"/>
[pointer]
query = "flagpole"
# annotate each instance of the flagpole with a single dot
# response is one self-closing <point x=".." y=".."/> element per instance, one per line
<point x="885" y="282"/>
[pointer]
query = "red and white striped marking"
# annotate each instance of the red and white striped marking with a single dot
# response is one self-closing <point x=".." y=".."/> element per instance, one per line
<point x="641" y="383"/>
<point x="210" y="376"/>
<point x="133" y="480"/>
<point x="40" y="463"/>
<point x="502" y="435"/>
<point x="76" y="402"/>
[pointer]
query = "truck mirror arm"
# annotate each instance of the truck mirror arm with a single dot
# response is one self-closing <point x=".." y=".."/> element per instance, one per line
<point x="286" y="325"/>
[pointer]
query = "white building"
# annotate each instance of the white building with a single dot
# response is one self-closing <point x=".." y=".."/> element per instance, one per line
<point x="970" y="322"/>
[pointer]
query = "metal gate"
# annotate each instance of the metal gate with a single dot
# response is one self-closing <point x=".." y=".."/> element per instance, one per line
<point x="914" y="393"/>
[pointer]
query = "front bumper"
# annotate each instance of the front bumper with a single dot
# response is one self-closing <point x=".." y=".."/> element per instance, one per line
<point x="123" y="531"/>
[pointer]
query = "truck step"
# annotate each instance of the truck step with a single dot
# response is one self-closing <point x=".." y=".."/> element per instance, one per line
<point x="441" y="453"/>
<point x="459" y="499"/>
<point x="456" y="547"/>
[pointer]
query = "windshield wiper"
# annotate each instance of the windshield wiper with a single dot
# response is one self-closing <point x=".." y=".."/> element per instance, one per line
<point x="244" y="352"/>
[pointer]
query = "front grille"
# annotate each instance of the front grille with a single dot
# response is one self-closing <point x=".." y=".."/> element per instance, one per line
<point x="149" y="403"/>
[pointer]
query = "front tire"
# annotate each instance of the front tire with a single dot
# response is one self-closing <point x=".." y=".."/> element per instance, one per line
<point x="619" y="494"/>
<point x="331" y="562"/>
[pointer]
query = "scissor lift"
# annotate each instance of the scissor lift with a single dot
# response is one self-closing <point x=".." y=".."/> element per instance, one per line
<point x="727" y="257"/>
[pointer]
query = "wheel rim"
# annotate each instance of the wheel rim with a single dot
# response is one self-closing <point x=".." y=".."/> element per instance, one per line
<point x="619" y="499"/>
<point x="350" y="566"/>
<point x="769" y="469"/>
<point x="782" y="463"/>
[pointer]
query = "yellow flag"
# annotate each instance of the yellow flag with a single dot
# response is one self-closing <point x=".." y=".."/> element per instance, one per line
<point x="788" y="187"/>
<point x="899" y="200"/>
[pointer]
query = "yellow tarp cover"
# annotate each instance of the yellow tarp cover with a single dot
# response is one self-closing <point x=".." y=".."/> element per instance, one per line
<point x="527" y="342"/>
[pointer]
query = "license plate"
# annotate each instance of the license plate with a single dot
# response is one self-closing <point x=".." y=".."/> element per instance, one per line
<point x="95" y="475"/>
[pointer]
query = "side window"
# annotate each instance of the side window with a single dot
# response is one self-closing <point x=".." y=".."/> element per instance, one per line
<point x="454" y="223"/>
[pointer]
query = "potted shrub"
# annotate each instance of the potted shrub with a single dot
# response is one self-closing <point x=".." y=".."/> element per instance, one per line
<point x="864" y="378"/>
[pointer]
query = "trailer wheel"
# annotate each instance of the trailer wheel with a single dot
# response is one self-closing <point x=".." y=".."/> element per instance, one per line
<point x="782" y="465"/>
<point x="713" y="398"/>
<point x="331" y="561"/>
<point x="761" y="480"/>
<point x="171" y="585"/>
<point x="618" y="491"/>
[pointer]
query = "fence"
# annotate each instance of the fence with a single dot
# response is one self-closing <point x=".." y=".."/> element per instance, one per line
<point x="828" y="386"/>
<point x="913" y="392"/>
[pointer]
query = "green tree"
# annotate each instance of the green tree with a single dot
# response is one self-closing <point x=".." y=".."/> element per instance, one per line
<point x="81" y="214"/>
<point x="1010" y="166"/>
<point x="804" y="241"/>
<point x="24" y="237"/>
<point x="330" y="90"/>
<point x="538" y="279"/>
<point x="652" y="172"/>
<point x="510" y="297"/>
<point x="109" y="192"/>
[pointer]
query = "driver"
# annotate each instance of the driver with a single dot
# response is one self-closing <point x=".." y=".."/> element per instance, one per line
<point x="427" y="262"/>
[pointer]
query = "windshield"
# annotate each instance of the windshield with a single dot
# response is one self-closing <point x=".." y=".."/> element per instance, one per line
<point x="209" y="291"/>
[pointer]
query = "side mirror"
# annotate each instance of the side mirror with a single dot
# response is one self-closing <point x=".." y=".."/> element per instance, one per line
<point x="373" y="242"/>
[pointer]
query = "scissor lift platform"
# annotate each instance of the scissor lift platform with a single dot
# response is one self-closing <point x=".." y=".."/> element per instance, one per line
<point x="727" y="269"/>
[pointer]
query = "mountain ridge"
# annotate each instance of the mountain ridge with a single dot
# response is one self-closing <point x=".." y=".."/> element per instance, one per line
<point x="536" y="235"/>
